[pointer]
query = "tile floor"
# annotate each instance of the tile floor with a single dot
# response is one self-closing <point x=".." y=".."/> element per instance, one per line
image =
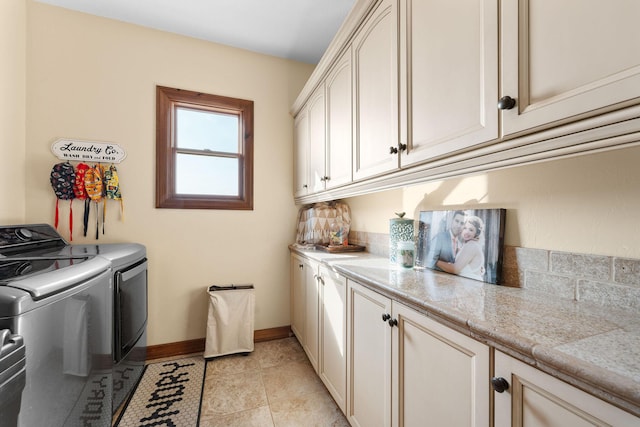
<point x="275" y="386"/>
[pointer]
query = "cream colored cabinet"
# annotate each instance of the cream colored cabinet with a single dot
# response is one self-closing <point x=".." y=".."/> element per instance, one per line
<point x="328" y="117"/>
<point x="332" y="367"/>
<point x="309" y="145"/>
<point x="312" y="313"/>
<point x="440" y="376"/>
<point x="375" y="92"/>
<point x="297" y="271"/>
<point x="565" y="60"/>
<point x="339" y="123"/>
<point x="449" y="74"/>
<point x="317" y="137"/>
<point x="368" y="358"/>
<point x="528" y="397"/>
<point x="405" y="369"/>
<point x="441" y="89"/>
<point x="301" y="154"/>
<point x="305" y="305"/>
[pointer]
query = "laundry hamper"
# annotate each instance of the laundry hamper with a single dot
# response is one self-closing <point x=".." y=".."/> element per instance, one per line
<point x="230" y="320"/>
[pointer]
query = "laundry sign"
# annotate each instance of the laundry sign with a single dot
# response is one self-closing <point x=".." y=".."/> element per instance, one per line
<point x="87" y="151"/>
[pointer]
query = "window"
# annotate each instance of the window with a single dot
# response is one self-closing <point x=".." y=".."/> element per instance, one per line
<point x="204" y="151"/>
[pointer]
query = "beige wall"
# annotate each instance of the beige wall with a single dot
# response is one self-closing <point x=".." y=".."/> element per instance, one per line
<point x="92" y="78"/>
<point x="587" y="204"/>
<point x="13" y="21"/>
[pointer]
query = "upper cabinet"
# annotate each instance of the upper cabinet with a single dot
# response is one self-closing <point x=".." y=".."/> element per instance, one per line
<point x="375" y="81"/>
<point x="323" y="133"/>
<point x="317" y="138"/>
<point x="439" y="89"/>
<point x="449" y="69"/>
<point x="301" y="154"/>
<point x="563" y="60"/>
<point x="338" y="90"/>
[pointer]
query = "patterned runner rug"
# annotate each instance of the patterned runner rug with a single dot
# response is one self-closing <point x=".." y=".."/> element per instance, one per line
<point x="169" y="394"/>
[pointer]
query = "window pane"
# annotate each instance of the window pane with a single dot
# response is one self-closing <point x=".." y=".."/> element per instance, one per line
<point x="206" y="130"/>
<point x="207" y="175"/>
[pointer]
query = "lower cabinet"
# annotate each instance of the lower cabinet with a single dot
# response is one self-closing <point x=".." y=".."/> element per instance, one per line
<point x="305" y="305"/>
<point x="527" y="397"/>
<point x="318" y="319"/>
<point x="387" y="365"/>
<point x="332" y="367"/>
<point x="296" y="274"/>
<point x="368" y="358"/>
<point x="405" y="369"/>
<point x="440" y="375"/>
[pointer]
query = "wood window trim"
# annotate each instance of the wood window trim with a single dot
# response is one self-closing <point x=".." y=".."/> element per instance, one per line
<point x="166" y="196"/>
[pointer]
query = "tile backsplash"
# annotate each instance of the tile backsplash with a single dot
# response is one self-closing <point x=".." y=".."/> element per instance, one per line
<point x="596" y="278"/>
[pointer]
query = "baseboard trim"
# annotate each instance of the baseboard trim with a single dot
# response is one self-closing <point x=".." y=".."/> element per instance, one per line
<point x="197" y="346"/>
<point x="272" y="334"/>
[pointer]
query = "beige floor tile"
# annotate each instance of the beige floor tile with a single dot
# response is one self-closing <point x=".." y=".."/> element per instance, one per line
<point x="274" y="386"/>
<point x="226" y="394"/>
<point x="276" y="352"/>
<point x="289" y="380"/>
<point x="259" y="417"/>
<point x="232" y="364"/>
<point x="315" y="409"/>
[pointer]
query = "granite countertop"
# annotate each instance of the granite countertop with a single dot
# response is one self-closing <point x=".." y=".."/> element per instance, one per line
<point x="593" y="347"/>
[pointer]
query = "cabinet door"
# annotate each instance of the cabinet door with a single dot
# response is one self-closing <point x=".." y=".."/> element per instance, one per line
<point x="440" y="375"/>
<point x="301" y="154"/>
<point x="333" y="330"/>
<point x="312" y="303"/>
<point x="451" y="87"/>
<point x="297" y="274"/>
<point x="535" y="399"/>
<point x="566" y="59"/>
<point x="317" y="126"/>
<point x="375" y="63"/>
<point x="368" y="358"/>
<point x="339" y="126"/>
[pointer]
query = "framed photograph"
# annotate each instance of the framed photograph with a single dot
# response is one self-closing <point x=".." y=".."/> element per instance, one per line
<point x="465" y="242"/>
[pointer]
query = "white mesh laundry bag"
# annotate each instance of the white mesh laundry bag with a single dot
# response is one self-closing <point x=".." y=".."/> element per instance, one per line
<point x="230" y="320"/>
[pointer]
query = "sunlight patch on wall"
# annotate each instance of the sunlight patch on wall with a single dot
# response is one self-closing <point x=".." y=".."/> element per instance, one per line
<point x="468" y="190"/>
<point x="471" y="190"/>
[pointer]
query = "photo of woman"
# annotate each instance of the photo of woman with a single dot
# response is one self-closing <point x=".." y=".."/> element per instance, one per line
<point x="469" y="261"/>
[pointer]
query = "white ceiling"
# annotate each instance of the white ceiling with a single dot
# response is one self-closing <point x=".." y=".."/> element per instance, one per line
<point x="294" y="29"/>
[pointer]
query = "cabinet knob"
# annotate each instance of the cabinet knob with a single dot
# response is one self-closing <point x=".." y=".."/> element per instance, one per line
<point x="393" y="150"/>
<point x="499" y="384"/>
<point x="506" y="103"/>
<point x="386" y="317"/>
<point x="393" y="322"/>
<point x="326" y="178"/>
<point x="402" y="147"/>
<point x="305" y="186"/>
<point x="300" y="266"/>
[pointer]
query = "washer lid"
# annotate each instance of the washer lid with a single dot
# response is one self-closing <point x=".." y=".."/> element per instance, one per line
<point x="59" y="275"/>
<point x="20" y="267"/>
